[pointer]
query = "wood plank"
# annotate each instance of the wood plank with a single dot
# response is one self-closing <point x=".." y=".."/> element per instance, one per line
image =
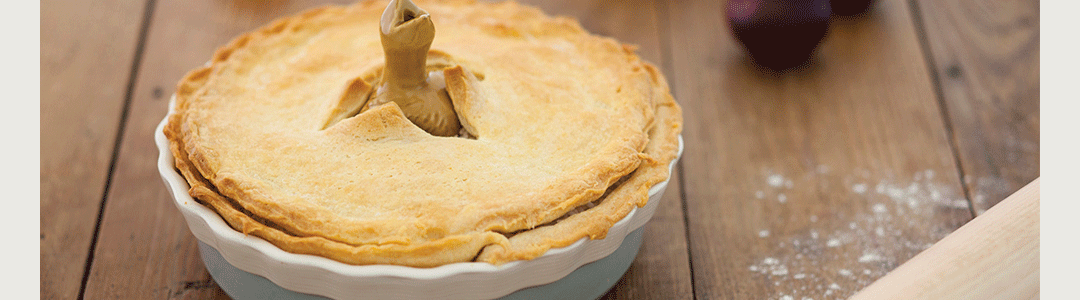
<point x="631" y="22"/>
<point x="145" y="249"/>
<point x="661" y="269"/>
<point x="986" y="56"/>
<point x="87" y="50"/>
<point x="814" y="183"/>
<point x="183" y="35"/>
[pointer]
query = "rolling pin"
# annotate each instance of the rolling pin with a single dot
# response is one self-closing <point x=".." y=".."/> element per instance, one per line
<point x="995" y="256"/>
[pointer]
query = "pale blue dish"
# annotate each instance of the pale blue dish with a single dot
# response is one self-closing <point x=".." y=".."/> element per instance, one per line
<point x="589" y="281"/>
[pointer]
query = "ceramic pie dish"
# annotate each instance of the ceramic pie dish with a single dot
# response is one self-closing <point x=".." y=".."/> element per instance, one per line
<point x="248" y="267"/>
<point x="514" y="143"/>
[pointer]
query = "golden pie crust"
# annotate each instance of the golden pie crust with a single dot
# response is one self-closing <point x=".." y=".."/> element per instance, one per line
<point x="571" y="132"/>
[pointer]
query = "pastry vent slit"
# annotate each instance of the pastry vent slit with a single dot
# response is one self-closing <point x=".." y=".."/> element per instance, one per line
<point x="461" y="87"/>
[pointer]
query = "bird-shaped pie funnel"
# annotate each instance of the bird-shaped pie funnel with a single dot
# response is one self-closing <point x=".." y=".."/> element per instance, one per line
<point x="406" y="32"/>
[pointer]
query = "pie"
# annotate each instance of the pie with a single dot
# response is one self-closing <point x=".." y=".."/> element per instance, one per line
<point x="560" y="135"/>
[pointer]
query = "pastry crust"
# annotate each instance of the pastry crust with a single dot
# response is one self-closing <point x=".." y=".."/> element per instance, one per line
<point x="265" y="136"/>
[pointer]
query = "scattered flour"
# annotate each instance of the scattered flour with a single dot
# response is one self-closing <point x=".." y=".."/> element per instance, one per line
<point x="921" y="195"/>
<point x="913" y="188"/>
<point x="833" y="243"/>
<point x="870" y="257"/>
<point x="859" y="188"/>
<point x="880" y="208"/>
<point x="859" y="246"/>
<point x="770" y="266"/>
<point x="776" y="180"/>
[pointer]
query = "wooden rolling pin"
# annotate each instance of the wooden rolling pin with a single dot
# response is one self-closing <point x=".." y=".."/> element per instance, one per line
<point x="995" y="256"/>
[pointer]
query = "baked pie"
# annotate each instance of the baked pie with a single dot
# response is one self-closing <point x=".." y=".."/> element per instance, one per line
<point x="356" y="134"/>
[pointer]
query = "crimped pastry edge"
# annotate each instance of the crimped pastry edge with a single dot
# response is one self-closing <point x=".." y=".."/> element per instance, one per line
<point x="529" y="244"/>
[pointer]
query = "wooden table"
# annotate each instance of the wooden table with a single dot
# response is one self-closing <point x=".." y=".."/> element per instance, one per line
<point x="812" y="184"/>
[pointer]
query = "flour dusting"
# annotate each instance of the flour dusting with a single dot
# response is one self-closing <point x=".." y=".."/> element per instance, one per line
<point x="880" y="208"/>
<point x="833" y="254"/>
<point x="776" y="180"/>
<point x="833" y="243"/>
<point x="859" y="188"/>
<point x="870" y="257"/>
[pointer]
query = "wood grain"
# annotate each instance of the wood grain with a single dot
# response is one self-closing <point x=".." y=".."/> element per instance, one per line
<point x="816" y="182"/>
<point x="145" y="249"/>
<point x="635" y="22"/>
<point x="87" y="50"/>
<point x="986" y="56"/>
